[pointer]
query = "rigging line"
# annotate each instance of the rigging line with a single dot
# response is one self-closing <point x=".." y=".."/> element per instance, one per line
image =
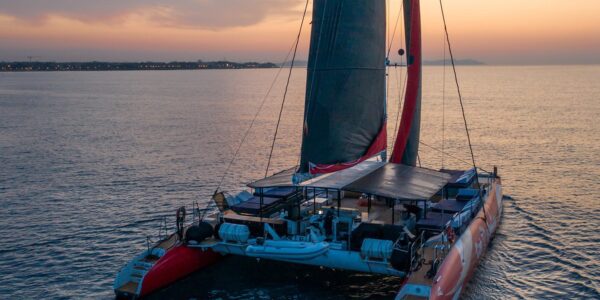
<point x="286" y="88"/>
<point x="387" y="21"/>
<point x="386" y="108"/>
<point x="387" y="97"/>
<point x="400" y="92"/>
<point x="391" y="40"/>
<point x="462" y="108"/>
<point x="387" y="89"/>
<point x="312" y="79"/>
<point x="390" y="145"/>
<point x="264" y="100"/>
<point x="451" y="156"/>
<point x="443" y="102"/>
<point x="386" y="63"/>
<point x="298" y="160"/>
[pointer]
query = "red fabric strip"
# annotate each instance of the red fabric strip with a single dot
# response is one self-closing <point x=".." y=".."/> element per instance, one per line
<point x="412" y="85"/>
<point x="378" y="145"/>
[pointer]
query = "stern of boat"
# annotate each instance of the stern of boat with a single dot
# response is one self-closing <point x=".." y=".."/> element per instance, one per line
<point x="457" y="261"/>
<point x="128" y="283"/>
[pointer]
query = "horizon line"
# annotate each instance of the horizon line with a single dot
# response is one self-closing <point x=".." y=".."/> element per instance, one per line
<point x="429" y="62"/>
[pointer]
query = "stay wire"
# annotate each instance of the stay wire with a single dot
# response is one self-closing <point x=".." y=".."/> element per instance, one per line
<point x="397" y="106"/>
<point x="451" y="156"/>
<point x="391" y="40"/>
<point x="286" y="88"/>
<point x="312" y="81"/>
<point x="400" y="93"/>
<point x="444" y="103"/>
<point x="387" y="21"/>
<point x="399" y="75"/>
<point x="386" y="63"/>
<point x="246" y="134"/>
<point x="462" y="108"/>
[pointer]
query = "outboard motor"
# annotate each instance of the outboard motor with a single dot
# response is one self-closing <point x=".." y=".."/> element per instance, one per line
<point x="198" y="233"/>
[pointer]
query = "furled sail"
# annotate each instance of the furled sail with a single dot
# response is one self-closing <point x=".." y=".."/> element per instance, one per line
<point x="406" y="147"/>
<point x="344" y="113"/>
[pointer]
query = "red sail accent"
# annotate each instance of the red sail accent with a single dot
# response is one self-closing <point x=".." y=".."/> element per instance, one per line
<point x="378" y="145"/>
<point x="412" y="85"/>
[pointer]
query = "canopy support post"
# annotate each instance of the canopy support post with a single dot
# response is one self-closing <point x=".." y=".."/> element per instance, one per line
<point x="314" y="200"/>
<point x="393" y="211"/>
<point x="260" y="192"/>
<point x="339" y="202"/>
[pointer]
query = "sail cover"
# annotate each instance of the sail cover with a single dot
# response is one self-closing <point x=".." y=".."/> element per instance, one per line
<point x="406" y="147"/>
<point x="344" y="117"/>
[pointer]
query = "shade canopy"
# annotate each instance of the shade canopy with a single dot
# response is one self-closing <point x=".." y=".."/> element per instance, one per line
<point x="281" y="179"/>
<point x="400" y="182"/>
<point x="395" y="181"/>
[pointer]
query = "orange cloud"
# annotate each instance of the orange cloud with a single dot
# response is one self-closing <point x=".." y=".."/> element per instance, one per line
<point x="140" y="31"/>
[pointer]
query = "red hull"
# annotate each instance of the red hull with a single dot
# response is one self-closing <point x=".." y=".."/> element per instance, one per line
<point x="460" y="263"/>
<point x="177" y="263"/>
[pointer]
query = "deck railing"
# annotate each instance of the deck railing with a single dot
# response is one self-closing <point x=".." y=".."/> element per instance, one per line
<point x="416" y="251"/>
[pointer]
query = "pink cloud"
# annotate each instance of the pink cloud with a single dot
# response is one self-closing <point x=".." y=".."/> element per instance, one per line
<point x="211" y="14"/>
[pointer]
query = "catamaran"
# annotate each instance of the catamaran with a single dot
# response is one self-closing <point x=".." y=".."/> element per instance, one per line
<point x="346" y="205"/>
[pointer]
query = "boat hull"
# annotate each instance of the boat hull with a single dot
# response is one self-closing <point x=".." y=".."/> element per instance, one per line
<point x="462" y="260"/>
<point x="175" y="264"/>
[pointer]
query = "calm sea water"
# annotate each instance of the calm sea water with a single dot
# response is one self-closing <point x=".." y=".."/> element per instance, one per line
<point x="91" y="161"/>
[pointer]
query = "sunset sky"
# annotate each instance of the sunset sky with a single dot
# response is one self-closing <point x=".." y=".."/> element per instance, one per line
<point x="493" y="31"/>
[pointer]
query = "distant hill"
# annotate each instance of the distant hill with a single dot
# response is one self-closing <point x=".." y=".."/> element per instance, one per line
<point x="439" y="62"/>
<point x="297" y="63"/>
<point x="463" y="62"/>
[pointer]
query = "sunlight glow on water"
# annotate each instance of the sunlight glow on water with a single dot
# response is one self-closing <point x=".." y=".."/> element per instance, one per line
<point x="91" y="161"/>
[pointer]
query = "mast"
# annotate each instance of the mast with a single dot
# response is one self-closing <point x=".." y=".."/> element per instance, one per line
<point x="344" y="113"/>
<point x="406" y="147"/>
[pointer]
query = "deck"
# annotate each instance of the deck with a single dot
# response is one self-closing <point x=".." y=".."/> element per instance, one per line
<point x="379" y="212"/>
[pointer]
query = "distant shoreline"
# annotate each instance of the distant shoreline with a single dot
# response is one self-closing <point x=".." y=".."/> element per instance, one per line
<point x="37" y="66"/>
<point x="41" y="66"/>
<point x="461" y="62"/>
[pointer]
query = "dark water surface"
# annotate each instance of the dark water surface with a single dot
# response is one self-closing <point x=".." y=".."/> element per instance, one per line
<point x="91" y="161"/>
